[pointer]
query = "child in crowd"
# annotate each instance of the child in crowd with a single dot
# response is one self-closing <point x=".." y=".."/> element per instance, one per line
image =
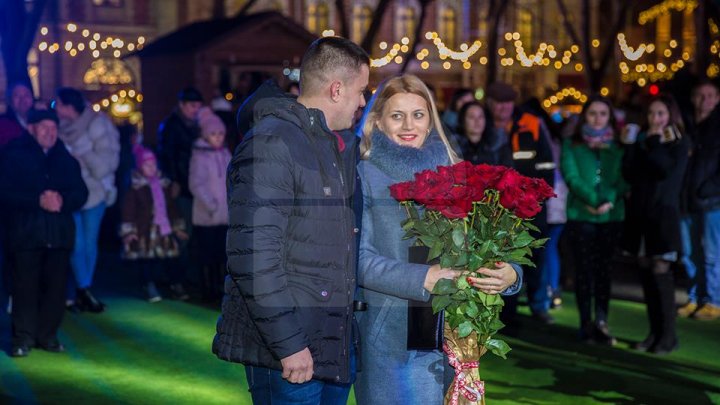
<point x="151" y="226"/>
<point x="208" y="167"/>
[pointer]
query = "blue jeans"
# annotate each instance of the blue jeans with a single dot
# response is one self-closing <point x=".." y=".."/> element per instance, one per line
<point x="539" y="294"/>
<point x="551" y="256"/>
<point x="267" y="387"/>
<point x="701" y="249"/>
<point x="84" y="256"/>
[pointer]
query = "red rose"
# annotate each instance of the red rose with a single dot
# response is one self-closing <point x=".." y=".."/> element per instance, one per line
<point x="510" y="180"/>
<point x="461" y="172"/>
<point x="460" y="200"/>
<point x="403" y="191"/>
<point x="527" y="208"/>
<point x="540" y="190"/>
<point x="454" y="212"/>
<point x="431" y="189"/>
<point x="487" y="176"/>
<point x="510" y="198"/>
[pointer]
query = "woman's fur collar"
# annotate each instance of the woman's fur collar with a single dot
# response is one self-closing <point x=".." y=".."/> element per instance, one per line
<point x="402" y="162"/>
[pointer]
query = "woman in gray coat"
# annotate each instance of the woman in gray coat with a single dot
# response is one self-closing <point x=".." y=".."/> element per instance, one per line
<point x="401" y="136"/>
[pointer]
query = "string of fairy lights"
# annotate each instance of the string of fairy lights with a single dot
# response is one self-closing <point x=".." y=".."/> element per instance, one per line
<point x="632" y="67"/>
<point x="84" y="40"/>
<point x="713" y="69"/>
<point x="513" y="52"/>
<point x="664" y="8"/>
<point x="106" y="67"/>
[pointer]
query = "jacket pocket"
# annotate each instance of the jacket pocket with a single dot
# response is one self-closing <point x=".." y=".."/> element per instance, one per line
<point x="317" y="289"/>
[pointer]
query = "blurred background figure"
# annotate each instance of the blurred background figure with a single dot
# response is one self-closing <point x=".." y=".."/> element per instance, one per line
<point x="208" y="168"/>
<point x="40" y="188"/>
<point x="591" y="166"/>
<point x="176" y="136"/>
<point x="94" y="141"/>
<point x="654" y="166"/>
<point x="478" y="142"/>
<point x="461" y="97"/>
<point x="701" y="224"/>
<point x="14" y="122"/>
<point x="152" y="228"/>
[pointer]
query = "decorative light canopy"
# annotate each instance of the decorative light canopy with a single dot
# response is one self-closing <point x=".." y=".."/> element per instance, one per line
<point x="665" y="7"/>
<point x="81" y="40"/>
<point x="565" y="93"/>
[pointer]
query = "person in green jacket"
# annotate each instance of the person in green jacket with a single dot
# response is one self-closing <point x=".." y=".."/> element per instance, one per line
<point x="591" y="163"/>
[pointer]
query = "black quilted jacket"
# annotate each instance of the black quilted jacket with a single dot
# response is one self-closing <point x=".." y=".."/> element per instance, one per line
<point x="290" y="245"/>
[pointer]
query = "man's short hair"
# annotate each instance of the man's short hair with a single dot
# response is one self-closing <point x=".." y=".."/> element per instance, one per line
<point x="72" y="97"/>
<point x="18" y="83"/>
<point x="704" y="81"/>
<point x="190" y="94"/>
<point x="326" y="56"/>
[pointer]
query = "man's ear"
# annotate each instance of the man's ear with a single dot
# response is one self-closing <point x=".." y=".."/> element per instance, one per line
<point x="335" y="88"/>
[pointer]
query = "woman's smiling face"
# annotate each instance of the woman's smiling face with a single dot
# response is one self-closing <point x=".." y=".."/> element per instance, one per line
<point x="406" y="119"/>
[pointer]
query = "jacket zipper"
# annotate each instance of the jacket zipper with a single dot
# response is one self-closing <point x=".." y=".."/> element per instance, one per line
<point x="339" y="166"/>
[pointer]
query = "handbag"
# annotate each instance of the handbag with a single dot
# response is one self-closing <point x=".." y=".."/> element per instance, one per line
<point x="424" y="329"/>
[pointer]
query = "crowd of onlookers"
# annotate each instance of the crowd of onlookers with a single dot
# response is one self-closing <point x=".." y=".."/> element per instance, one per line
<point x="647" y="188"/>
<point x="62" y="167"/>
<point x="656" y="182"/>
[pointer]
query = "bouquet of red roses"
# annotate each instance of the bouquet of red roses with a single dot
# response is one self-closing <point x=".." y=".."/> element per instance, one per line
<point x="473" y="217"/>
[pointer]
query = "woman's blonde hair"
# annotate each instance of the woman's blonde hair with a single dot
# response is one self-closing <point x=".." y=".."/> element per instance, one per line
<point x="410" y="84"/>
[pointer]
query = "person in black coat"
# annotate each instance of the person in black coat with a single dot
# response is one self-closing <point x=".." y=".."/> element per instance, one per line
<point x="288" y="306"/>
<point x="654" y="166"/>
<point x="478" y="141"/>
<point x="40" y="187"/>
<point x="176" y="136"/>
<point x="701" y="222"/>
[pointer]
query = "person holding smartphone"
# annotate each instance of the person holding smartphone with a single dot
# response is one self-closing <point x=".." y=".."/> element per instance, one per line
<point x="654" y="166"/>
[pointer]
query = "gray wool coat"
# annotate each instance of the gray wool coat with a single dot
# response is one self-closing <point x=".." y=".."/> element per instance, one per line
<point x="391" y="373"/>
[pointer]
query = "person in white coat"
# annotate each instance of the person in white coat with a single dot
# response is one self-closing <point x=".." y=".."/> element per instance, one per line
<point x="208" y="167"/>
<point x="94" y="141"/>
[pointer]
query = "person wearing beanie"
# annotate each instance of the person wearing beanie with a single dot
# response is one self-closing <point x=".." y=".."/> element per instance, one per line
<point x="176" y="135"/>
<point x="208" y="167"/>
<point x="40" y="188"/>
<point x="152" y="226"/>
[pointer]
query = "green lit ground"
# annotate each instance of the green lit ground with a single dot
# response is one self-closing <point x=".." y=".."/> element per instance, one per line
<point x="147" y="354"/>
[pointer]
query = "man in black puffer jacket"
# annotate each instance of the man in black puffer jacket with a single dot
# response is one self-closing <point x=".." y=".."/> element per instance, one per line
<point x="287" y="313"/>
<point x="40" y="187"/>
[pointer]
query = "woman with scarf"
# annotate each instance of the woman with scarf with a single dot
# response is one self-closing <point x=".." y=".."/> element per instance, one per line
<point x="591" y="163"/>
<point x="654" y="166"/>
<point x="401" y="136"/>
<point x="151" y="226"/>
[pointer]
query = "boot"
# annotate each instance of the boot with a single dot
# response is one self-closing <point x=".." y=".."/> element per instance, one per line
<point x="667" y="340"/>
<point x="586" y="334"/>
<point x="86" y="300"/>
<point x="178" y="292"/>
<point x="652" y="306"/>
<point x="602" y="335"/>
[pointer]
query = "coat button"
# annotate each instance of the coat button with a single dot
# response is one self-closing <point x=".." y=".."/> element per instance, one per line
<point x="324" y="293"/>
<point x="356" y="230"/>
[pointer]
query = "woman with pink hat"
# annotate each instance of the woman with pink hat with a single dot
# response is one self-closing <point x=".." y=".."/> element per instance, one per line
<point x="208" y="167"/>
